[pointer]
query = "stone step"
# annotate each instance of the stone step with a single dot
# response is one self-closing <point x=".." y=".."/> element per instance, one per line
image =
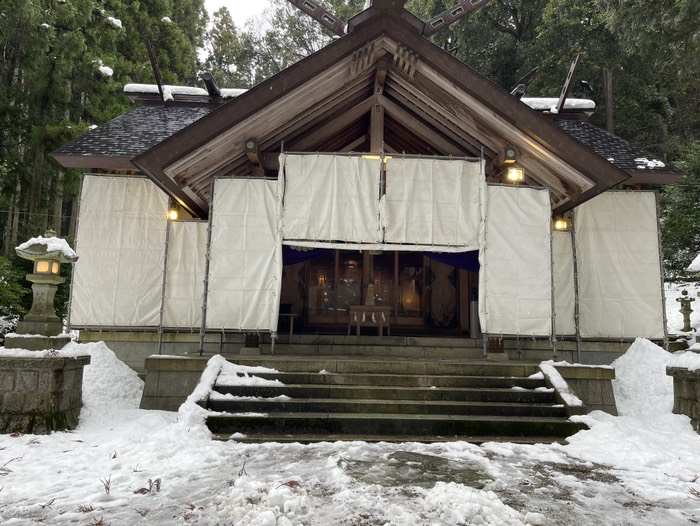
<point x="325" y="424"/>
<point x="369" y="350"/>
<point x="387" y="365"/>
<point x="301" y="438"/>
<point x="397" y="407"/>
<point x="456" y="394"/>
<point x="403" y="380"/>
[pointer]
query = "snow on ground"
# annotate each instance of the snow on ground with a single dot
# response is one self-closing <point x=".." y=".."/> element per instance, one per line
<point x="126" y="466"/>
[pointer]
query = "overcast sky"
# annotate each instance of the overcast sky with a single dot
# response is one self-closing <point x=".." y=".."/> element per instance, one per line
<point x="241" y="10"/>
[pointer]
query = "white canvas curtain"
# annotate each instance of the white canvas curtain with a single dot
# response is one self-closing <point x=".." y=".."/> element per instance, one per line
<point x="433" y="202"/>
<point x="118" y="280"/>
<point x="515" y="278"/>
<point x="184" y="281"/>
<point x="564" y="291"/>
<point x="619" y="269"/>
<point x="330" y="198"/>
<point x="334" y="201"/>
<point x="245" y="271"/>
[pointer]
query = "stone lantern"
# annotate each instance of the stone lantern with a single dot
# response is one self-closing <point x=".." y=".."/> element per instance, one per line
<point x="41" y="392"/>
<point x="41" y="328"/>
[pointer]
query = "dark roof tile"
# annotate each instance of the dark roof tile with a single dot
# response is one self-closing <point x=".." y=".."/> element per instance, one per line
<point x="616" y="150"/>
<point x="134" y="133"/>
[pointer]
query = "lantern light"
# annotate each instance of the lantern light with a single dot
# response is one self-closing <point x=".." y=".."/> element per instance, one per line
<point x="173" y="214"/>
<point x="515" y="175"/>
<point x="561" y="224"/>
<point x="46" y="266"/>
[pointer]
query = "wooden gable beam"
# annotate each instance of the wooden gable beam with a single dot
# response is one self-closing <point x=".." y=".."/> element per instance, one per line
<point x="422" y="130"/>
<point x="440" y="119"/>
<point x="307" y="142"/>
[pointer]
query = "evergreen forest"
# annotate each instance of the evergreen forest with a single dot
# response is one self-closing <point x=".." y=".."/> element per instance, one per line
<point x="65" y="63"/>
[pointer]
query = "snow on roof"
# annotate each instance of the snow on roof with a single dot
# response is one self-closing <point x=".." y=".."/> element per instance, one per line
<point x="548" y="103"/>
<point x="181" y="90"/>
<point x="643" y="162"/>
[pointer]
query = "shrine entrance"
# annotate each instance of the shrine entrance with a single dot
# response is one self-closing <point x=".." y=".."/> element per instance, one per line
<point x="418" y="292"/>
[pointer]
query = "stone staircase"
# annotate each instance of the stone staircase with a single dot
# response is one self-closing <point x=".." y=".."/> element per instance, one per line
<point x="389" y="399"/>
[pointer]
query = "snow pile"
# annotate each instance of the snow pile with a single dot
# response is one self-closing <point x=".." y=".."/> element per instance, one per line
<point x="641" y="386"/>
<point x="107" y="381"/>
<point x="694" y="265"/>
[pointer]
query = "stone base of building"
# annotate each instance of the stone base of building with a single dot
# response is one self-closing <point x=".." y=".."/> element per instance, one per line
<point x="592" y="385"/>
<point x="36" y="342"/>
<point x="40" y="395"/>
<point x="686" y="394"/>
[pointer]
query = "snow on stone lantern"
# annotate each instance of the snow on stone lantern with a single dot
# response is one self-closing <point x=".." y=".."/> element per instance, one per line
<point x="41" y="328"/>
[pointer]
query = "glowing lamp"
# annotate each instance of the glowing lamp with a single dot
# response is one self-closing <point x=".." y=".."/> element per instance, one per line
<point x="515" y="175"/>
<point x="561" y="224"/>
<point x="173" y="214"/>
<point x="46" y="266"/>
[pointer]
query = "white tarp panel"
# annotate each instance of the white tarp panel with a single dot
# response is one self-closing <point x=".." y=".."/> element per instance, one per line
<point x="433" y="202"/>
<point x="118" y="280"/>
<point x="619" y="269"/>
<point x="245" y="271"/>
<point x="564" y="291"/>
<point x="515" y="294"/>
<point x="184" y="278"/>
<point x="330" y="198"/>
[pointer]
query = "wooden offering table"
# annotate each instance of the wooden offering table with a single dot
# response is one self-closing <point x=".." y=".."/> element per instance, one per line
<point x="370" y="316"/>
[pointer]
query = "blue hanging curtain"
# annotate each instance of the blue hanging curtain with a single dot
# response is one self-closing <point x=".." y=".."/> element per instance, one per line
<point x="463" y="260"/>
<point x="292" y="257"/>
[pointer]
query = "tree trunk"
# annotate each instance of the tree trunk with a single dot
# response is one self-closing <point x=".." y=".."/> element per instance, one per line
<point x="608" y="98"/>
<point x="58" y="204"/>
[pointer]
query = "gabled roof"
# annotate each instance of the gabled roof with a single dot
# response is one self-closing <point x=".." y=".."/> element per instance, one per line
<point x="113" y="145"/>
<point x="430" y="102"/>
<point x="381" y="85"/>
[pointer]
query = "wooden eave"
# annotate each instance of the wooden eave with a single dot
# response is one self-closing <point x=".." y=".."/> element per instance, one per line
<point x="430" y="102"/>
<point x="653" y="177"/>
<point x="94" y="162"/>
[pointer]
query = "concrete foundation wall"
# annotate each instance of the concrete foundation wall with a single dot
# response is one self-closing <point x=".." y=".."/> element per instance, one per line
<point x="170" y="380"/>
<point x="686" y="394"/>
<point x="592" y="385"/>
<point x="133" y="348"/>
<point x="40" y="395"/>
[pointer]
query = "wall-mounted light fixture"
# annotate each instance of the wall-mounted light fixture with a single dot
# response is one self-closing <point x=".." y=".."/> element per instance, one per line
<point x="514" y="174"/>
<point x="562" y="223"/>
<point x="173" y="213"/>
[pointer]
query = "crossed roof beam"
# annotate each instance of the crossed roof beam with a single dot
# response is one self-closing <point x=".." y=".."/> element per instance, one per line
<point x="337" y="26"/>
